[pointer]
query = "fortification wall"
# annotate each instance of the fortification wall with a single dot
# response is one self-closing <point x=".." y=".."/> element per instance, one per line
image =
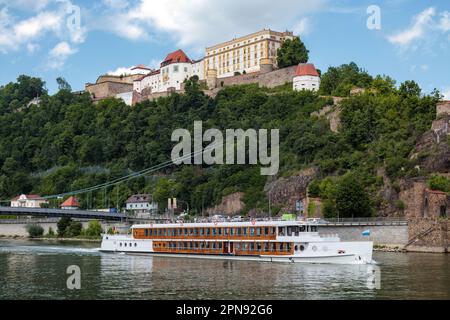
<point x="108" y="89"/>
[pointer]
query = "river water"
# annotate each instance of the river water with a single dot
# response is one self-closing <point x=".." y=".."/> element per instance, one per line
<point x="37" y="270"/>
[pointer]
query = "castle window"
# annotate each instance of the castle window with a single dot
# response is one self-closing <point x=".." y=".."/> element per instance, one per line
<point x="175" y="68"/>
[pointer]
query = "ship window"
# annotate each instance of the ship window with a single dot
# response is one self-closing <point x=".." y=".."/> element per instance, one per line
<point x="266" y="246"/>
<point x="225" y="231"/>
<point x="220" y="245"/>
<point x="125" y="244"/>
<point x="202" y="231"/>
<point x="302" y="228"/>
<point x="214" y="231"/>
<point x="281" y="231"/>
<point x="120" y="244"/>
<point x="208" y="231"/>
<point x="252" y="246"/>
<point x="245" y="231"/>
<point x="313" y="229"/>
<point x="273" y="247"/>
<point x="252" y="232"/>
<point x="239" y="231"/>
<point x="220" y="231"/>
<point x="259" y="246"/>
<point x="180" y="231"/>
<point x="185" y="231"/>
<point x="266" y="231"/>
<point x="191" y="231"/>
<point x="282" y="246"/>
<point x="258" y="232"/>
<point x="135" y="244"/>
<point x="195" y="232"/>
<point x="146" y="232"/>
<point x="289" y="231"/>
<point x="231" y="231"/>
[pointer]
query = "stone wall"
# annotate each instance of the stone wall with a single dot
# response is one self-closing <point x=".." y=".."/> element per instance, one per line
<point x="429" y="235"/>
<point x="443" y="108"/>
<point x="380" y="235"/>
<point x="107" y="89"/>
<point x="19" y="229"/>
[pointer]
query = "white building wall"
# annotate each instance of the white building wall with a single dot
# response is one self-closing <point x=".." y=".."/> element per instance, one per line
<point x="127" y="97"/>
<point x="306" y="83"/>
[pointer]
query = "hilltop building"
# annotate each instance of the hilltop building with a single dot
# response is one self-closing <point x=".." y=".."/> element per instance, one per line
<point x="246" y="54"/>
<point x="28" y="201"/>
<point x="306" y="77"/>
<point x="248" y="59"/>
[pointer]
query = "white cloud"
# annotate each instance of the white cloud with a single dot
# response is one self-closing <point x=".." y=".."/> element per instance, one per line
<point x="303" y="27"/>
<point x="32" y="48"/>
<point x="199" y="23"/>
<point x="444" y="22"/>
<point x="120" y="71"/>
<point x="59" y="54"/>
<point x="418" y="29"/>
<point x="116" y="4"/>
<point x="426" y="30"/>
<point x="446" y="93"/>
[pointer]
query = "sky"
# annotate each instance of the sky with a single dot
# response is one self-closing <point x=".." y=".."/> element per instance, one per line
<point x="80" y="39"/>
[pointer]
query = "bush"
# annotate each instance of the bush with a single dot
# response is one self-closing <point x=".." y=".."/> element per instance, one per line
<point x="34" y="230"/>
<point x="441" y="183"/>
<point x="94" y="229"/>
<point x="51" y="232"/>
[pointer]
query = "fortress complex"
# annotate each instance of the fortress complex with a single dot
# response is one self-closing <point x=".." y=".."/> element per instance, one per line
<point x="240" y="60"/>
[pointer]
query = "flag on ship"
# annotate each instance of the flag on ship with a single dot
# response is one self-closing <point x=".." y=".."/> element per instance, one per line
<point x="366" y="233"/>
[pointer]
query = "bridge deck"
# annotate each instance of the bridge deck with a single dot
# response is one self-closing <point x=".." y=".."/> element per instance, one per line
<point x="18" y="211"/>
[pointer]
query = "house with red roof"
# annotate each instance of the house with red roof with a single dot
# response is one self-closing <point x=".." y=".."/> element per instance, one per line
<point x="306" y="77"/>
<point x="174" y="70"/>
<point x="71" y="203"/>
<point x="28" y="201"/>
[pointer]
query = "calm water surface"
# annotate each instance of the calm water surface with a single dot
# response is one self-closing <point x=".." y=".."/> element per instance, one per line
<point x="37" y="270"/>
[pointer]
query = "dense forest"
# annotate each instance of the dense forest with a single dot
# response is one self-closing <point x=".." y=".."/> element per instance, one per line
<point x="66" y="142"/>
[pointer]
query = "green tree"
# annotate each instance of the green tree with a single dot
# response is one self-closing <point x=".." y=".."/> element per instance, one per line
<point x="63" y="84"/>
<point x="351" y="198"/>
<point x="438" y="182"/>
<point x="62" y="226"/>
<point x="292" y="52"/>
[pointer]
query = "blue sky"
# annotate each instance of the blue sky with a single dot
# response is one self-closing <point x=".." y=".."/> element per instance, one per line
<point x="51" y="38"/>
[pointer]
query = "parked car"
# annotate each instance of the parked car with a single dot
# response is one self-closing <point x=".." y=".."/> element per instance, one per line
<point x="236" y="219"/>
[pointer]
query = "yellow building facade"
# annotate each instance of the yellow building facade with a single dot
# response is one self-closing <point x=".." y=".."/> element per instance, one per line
<point x="245" y="53"/>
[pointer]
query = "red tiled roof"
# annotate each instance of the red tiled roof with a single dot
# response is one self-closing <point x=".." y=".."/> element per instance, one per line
<point x="306" y="69"/>
<point x="141" y="66"/>
<point x="176" y="57"/>
<point x="28" y="196"/>
<point x="70" y="202"/>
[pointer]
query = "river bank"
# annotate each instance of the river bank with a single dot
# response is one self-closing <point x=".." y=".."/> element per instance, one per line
<point x="16" y="237"/>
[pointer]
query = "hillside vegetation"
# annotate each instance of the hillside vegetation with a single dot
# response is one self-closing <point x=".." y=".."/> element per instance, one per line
<point x="67" y="143"/>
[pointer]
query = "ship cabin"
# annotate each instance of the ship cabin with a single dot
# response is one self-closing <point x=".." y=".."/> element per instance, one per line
<point x="252" y="238"/>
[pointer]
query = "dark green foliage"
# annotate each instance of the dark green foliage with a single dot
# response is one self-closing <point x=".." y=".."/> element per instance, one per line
<point x="67" y="143"/>
<point x="338" y="81"/>
<point x="62" y="225"/>
<point x="440" y="183"/>
<point x="351" y="198"/>
<point x="74" y="229"/>
<point x="291" y="53"/>
<point x="34" y="230"/>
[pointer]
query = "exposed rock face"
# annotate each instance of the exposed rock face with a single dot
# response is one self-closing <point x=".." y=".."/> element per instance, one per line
<point x="230" y="205"/>
<point x="332" y="114"/>
<point x="432" y="151"/>
<point x="285" y="192"/>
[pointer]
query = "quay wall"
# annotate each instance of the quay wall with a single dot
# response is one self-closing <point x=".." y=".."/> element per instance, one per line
<point x="386" y="235"/>
<point x="19" y="229"/>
